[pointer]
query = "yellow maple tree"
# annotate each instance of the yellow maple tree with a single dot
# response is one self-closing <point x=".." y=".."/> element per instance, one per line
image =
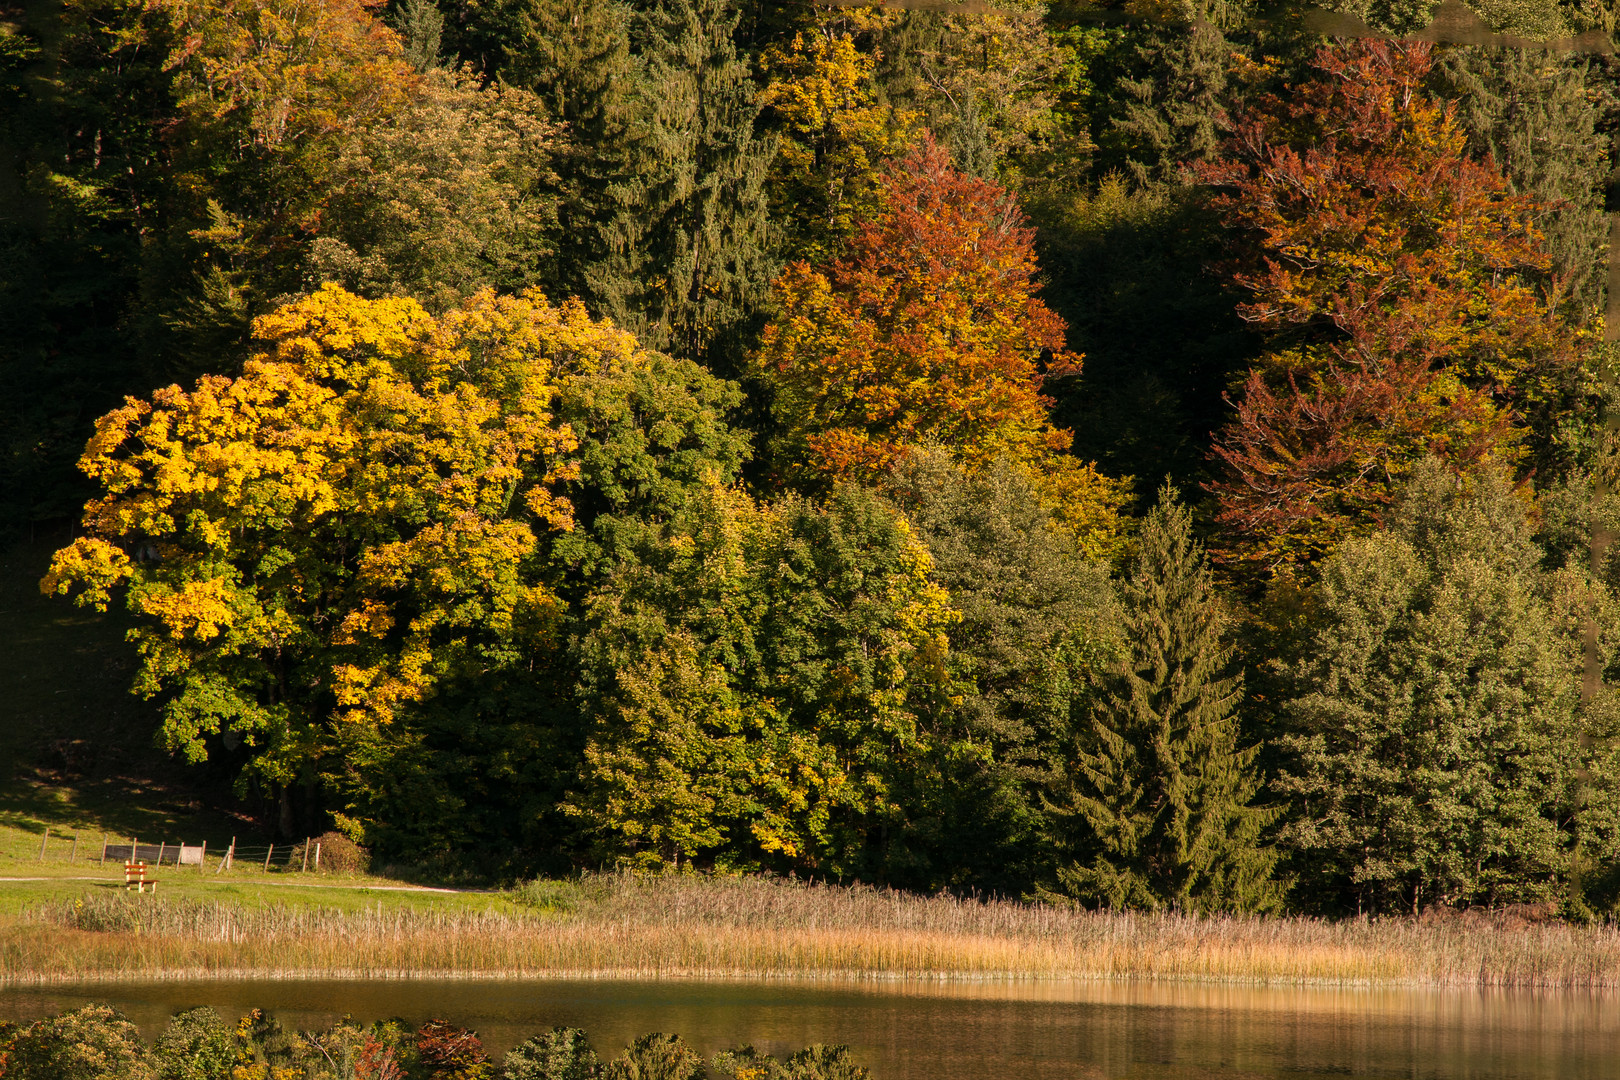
<point x="341" y="529"/>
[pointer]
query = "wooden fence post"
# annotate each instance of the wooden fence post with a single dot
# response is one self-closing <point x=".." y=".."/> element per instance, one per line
<point x="317" y="856"/>
<point x="202" y="859"/>
<point x="225" y="863"/>
<point x="42" y="841"/>
<point x="161" y="845"/>
<point x="74" y="850"/>
<point x="306" y="855"/>
<point x="104" y="848"/>
<point x="268" y="852"/>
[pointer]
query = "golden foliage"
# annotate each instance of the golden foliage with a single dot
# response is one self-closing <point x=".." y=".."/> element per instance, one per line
<point x="828" y="172"/>
<point x="343" y="527"/>
<point x="286" y="71"/>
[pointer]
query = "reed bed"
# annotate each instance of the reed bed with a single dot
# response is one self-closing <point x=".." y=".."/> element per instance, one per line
<point x="694" y="927"/>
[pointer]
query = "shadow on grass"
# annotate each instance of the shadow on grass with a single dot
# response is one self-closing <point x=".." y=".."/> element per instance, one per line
<point x="76" y="746"/>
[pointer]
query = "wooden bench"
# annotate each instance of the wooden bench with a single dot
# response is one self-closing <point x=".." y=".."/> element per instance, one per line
<point x="135" y="877"/>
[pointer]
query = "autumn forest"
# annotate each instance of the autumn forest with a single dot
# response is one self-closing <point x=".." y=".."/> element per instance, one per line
<point x="1156" y="456"/>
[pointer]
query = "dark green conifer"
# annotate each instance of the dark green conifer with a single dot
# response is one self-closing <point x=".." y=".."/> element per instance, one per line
<point x="689" y="261"/>
<point x="1159" y="781"/>
<point x="971" y="151"/>
<point x="575" y="54"/>
<point x="1168" y="99"/>
<point x="420" y="25"/>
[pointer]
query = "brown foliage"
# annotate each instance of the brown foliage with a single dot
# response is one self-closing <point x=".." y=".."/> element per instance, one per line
<point x="1405" y="291"/>
<point x="451" y="1052"/>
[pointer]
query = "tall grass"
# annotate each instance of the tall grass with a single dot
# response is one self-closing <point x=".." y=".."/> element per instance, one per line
<point x="679" y="926"/>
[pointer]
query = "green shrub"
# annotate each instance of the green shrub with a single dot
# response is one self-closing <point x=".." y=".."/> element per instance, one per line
<point x="656" y="1057"/>
<point x="92" y="1043"/>
<point x="825" y="1063"/>
<point x="196" y="1046"/>
<point x="746" y="1063"/>
<point x="340" y="854"/>
<point x="559" y="1054"/>
<point x="812" y="1063"/>
<point x="98" y="1043"/>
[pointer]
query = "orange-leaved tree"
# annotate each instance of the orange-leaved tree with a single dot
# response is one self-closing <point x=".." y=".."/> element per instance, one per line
<point x="927" y="332"/>
<point x="1405" y="293"/>
<point x="342" y="528"/>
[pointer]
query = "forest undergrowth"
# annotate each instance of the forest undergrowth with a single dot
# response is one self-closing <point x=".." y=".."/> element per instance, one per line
<point x="678" y="926"/>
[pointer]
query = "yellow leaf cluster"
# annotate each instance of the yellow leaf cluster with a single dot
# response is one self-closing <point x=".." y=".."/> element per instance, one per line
<point x="291" y="70"/>
<point x="338" y="530"/>
<point x="835" y="137"/>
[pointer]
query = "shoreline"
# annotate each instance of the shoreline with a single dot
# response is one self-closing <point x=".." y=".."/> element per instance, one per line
<point x="621" y="927"/>
<point x="848" y="980"/>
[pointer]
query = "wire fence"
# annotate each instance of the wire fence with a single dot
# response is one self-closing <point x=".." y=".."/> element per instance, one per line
<point x="57" y="845"/>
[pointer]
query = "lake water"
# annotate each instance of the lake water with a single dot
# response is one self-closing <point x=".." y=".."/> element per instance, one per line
<point x="1027" y="1031"/>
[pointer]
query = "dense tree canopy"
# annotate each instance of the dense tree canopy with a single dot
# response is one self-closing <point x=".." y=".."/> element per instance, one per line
<point x="1433" y="745"/>
<point x="926" y="332"/>
<point x="328" y="536"/>
<point x="765" y="684"/>
<point x="545" y="434"/>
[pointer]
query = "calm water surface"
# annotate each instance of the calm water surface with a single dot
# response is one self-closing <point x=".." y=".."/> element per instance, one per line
<point x="968" y="1032"/>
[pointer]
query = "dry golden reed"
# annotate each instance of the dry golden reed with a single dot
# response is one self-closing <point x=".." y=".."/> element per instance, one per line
<point x="688" y="926"/>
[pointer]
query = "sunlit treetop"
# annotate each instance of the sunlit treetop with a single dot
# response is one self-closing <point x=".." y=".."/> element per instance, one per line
<point x="926" y="332"/>
<point x="1406" y="296"/>
<point x="343" y="527"/>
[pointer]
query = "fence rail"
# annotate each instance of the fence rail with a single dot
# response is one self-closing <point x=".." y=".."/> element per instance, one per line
<point x="156" y="854"/>
<point x="65" y="845"/>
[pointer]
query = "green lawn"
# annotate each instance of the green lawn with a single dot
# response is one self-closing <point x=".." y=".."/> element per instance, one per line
<point x="76" y="748"/>
<point x="16" y="896"/>
<point x="246" y="882"/>
<point x="77" y="758"/>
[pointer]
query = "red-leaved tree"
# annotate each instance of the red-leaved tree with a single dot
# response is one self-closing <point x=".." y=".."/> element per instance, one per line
<point x="1405" y="290"/>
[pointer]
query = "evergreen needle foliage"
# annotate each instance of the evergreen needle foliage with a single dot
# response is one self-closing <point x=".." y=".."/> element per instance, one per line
<point x="689" y="259"/>
<point x="1159" y="778"/>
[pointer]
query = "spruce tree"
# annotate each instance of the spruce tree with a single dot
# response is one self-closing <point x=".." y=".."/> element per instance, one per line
<point x="1167" y="104"/>
<point x="575" y="54"/>
<point x="1536" y="116"/>
<point x="690" y="254"/>
<point x="420" y="25"/>
<point x="1159" y="780"/>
